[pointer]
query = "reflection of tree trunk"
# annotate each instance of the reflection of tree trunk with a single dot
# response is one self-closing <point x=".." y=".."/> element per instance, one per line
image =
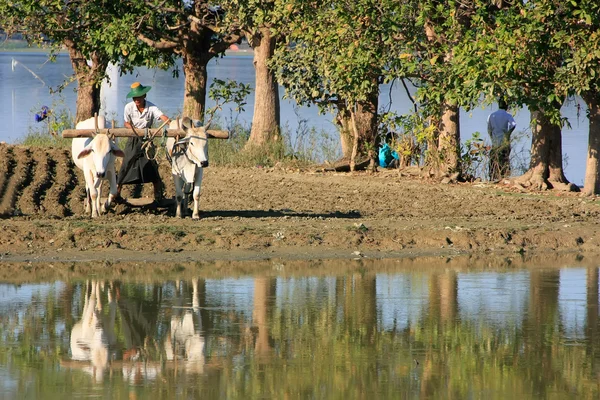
<point x="204" y="317"/>
<point x="448" y="289"/>
<point x="264" y="295"/>
<point x="138" y="317"/>
<point x="443" y="292"/>
<point x="66" y="298"/>
<point x="591" y="320"/>
<point x="360" y="305"/>
<point x="539" y="327"/>
<point x="426" y="376"/>
<point x="442" y="315"/>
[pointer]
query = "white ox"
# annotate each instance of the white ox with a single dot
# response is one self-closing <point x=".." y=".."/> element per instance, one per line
<point x="189" y="157"/>
<point x="96" y="157"/>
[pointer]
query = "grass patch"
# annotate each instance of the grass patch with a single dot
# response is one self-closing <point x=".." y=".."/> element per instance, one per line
<point x="170" y="230"/>
<point x="200" y="238"/>
<point x="38" y="139"/>
<point x="296" y="148"/>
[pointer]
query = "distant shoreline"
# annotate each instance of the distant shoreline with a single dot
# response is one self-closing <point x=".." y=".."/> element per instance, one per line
<point x="21" y="46"/>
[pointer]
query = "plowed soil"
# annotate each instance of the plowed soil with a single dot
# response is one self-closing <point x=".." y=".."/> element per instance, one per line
<point x="259" y="213"/>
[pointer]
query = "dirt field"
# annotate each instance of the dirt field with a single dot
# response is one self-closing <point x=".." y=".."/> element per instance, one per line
<point x="264" y="213"/>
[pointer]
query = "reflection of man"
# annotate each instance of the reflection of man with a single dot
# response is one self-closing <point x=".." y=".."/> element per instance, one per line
<point x="500" y="125"/>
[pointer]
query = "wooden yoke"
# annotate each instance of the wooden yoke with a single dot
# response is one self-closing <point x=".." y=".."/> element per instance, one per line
<point x="126" y="132"/>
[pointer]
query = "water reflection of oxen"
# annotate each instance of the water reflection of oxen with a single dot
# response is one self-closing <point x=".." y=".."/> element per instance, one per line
<point x="94" y="334"/>
<point x="185" y="342"/>
<point x="93" y="342"/>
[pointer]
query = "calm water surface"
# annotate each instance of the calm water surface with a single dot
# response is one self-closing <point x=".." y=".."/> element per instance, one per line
<point x="408" y="333"/>
<point x="26" y="78"/>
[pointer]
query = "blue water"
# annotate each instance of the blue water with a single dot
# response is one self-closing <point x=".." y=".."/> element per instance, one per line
<point x="384" y="329"/>
<point x="27" y="77"/>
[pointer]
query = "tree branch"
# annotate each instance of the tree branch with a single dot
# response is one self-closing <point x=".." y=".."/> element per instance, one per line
<point x="160" y="44"/>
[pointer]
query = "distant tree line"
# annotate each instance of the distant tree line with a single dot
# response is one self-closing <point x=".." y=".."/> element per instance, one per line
<point x="337" y="54"/>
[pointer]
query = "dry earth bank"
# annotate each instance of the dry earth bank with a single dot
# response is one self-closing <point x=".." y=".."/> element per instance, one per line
<point x="260" y="213"/>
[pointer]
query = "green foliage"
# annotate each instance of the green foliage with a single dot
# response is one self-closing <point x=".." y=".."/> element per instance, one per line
<point x="474" y="156"/>
<point x="309" y="145"/>
<point x="48" y="132"/>
<point x="229" y="91"/>
<point x="304" y="147"/>
<point x="335" y="51"/>
<point x="409" y="135"/>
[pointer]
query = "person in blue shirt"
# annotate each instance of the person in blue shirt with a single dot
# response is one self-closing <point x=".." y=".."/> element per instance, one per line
<point x="500" y="125"/>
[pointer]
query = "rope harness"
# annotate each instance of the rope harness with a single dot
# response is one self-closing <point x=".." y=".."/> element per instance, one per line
<point x="180" y="149"/>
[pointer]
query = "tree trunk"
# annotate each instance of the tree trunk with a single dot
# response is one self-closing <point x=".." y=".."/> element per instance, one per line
<point x="266" y="119"/>
<point x="344" y="123"/>
<point x="545" y="168"/>
<point x="591" y="183"/>
<point x="88" y="100"/>
<point x="449" y="140"/>
<point x="366" y="123"/>
<point x="196" y="78"/>
<point x="363" y="128"/>
<point x="89" y="80"/>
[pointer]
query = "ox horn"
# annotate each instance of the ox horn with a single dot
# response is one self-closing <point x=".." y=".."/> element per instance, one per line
<point x="95" y="124"/>
<point x="187" y="123"/>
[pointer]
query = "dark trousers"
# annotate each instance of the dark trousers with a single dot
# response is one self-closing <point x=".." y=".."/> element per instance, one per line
<point x="499" y="162"/>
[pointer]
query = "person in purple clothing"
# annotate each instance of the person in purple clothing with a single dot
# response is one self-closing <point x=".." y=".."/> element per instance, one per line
<point x="500" y="125"/>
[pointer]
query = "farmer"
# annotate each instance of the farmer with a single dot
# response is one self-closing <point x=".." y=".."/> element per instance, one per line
<point x="137" y="168"/>
<point x="500" y="125"/>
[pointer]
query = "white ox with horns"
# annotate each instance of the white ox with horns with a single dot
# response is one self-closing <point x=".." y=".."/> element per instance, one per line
<point x="189" y="157"/>
<point x="96" y="157"/>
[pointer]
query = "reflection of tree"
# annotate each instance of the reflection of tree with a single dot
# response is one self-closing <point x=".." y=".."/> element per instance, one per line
<point x="441" y="317"/>
<point x="540" y="329"/>
<point x="139" y="308"/>
<point x="311" y="337"/>
<point x="591" y="327"/>
<point x="264" y="300"/>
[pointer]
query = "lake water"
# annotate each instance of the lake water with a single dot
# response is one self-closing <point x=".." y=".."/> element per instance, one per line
<point x="357" y="329"/>
<point x="27" y="77"/>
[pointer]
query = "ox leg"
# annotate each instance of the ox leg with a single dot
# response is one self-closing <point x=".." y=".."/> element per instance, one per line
<point x="197" y="185"/>
<point x="92" y="189"/>
<point x="112" y="182"/>
<point x="87" y="201"/>
<point x="99" y="207"/>
<point x="178" y="195"/>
